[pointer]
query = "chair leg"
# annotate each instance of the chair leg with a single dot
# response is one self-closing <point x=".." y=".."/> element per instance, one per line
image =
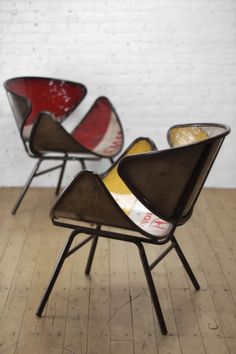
<point x="26" y="187"/>
<point x="185" y="263"/>
<point x="60" y="177"/>
<point x="152" y="289"/>
<point x="83" y="165"/>
<point x="56" y="273"/>
<point x="91" y="255"/>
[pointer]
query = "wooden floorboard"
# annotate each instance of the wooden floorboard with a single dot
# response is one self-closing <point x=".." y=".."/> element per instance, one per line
<point x="110" y="311"/>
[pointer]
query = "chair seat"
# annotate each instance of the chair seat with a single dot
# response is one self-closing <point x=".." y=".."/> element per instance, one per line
<point x="141" y="216"/>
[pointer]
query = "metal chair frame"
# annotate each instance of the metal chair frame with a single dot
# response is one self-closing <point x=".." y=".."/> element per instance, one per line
<point x="143" y="237"/>
<point x="34" y="173"/>
<point x="85" y="154"/>
<point x="137" y="241"/>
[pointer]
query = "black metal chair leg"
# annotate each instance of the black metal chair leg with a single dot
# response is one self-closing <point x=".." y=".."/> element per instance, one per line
<point x="152" y="289"/>
<point x="91" y="255"/>
<point x="56" y="273"/>
<point x="185" y="264"/>
<point x="83" y="165"/>
<point x="26" y="187"/>
<point x="60" y="177"/>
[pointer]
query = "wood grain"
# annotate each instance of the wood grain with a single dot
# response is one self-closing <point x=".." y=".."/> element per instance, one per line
<point x="110" y="311"/>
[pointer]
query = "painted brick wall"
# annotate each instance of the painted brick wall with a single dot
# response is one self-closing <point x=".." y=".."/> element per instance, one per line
<point x="160" y="62"/>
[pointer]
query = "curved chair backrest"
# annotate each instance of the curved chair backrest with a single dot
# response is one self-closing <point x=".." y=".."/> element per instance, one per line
<point x="100" y="131"/>
<point x="184" y="134"/>
<point x="168" y="182"/>
<point x="29" y="96"/>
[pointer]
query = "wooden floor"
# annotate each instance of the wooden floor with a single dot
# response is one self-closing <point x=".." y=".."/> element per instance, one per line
<point x="110" y="311"/>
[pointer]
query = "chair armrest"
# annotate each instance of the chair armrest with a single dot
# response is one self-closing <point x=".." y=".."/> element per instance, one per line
<point x="48" y="135"/>
<point x="86" y="199"/>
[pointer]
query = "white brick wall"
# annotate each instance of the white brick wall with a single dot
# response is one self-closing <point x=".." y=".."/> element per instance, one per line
<point x="160" y="62"/>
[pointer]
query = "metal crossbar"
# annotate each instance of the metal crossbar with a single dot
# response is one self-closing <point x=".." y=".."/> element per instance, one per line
<point x="94" y="235"/>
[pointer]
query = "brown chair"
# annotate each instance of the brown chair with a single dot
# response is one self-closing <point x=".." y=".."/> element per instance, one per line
<point x="40" y="105"/>
<point x="148" y="193"/>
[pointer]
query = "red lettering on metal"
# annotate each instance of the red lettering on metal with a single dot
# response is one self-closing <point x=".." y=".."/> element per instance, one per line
<point x="157" y="224"/>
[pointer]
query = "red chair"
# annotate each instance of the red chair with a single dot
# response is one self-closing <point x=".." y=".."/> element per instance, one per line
<point x="40" y="105"/>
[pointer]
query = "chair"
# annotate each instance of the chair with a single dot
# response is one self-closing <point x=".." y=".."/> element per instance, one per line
<point x="141" y="199"/>
<point x="41" y="105"/>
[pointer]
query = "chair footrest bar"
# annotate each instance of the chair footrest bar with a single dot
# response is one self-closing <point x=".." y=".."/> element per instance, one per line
<point x="151" y="266"/>
<point x="81" y="244"/>
<point x="48" y="170"/>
